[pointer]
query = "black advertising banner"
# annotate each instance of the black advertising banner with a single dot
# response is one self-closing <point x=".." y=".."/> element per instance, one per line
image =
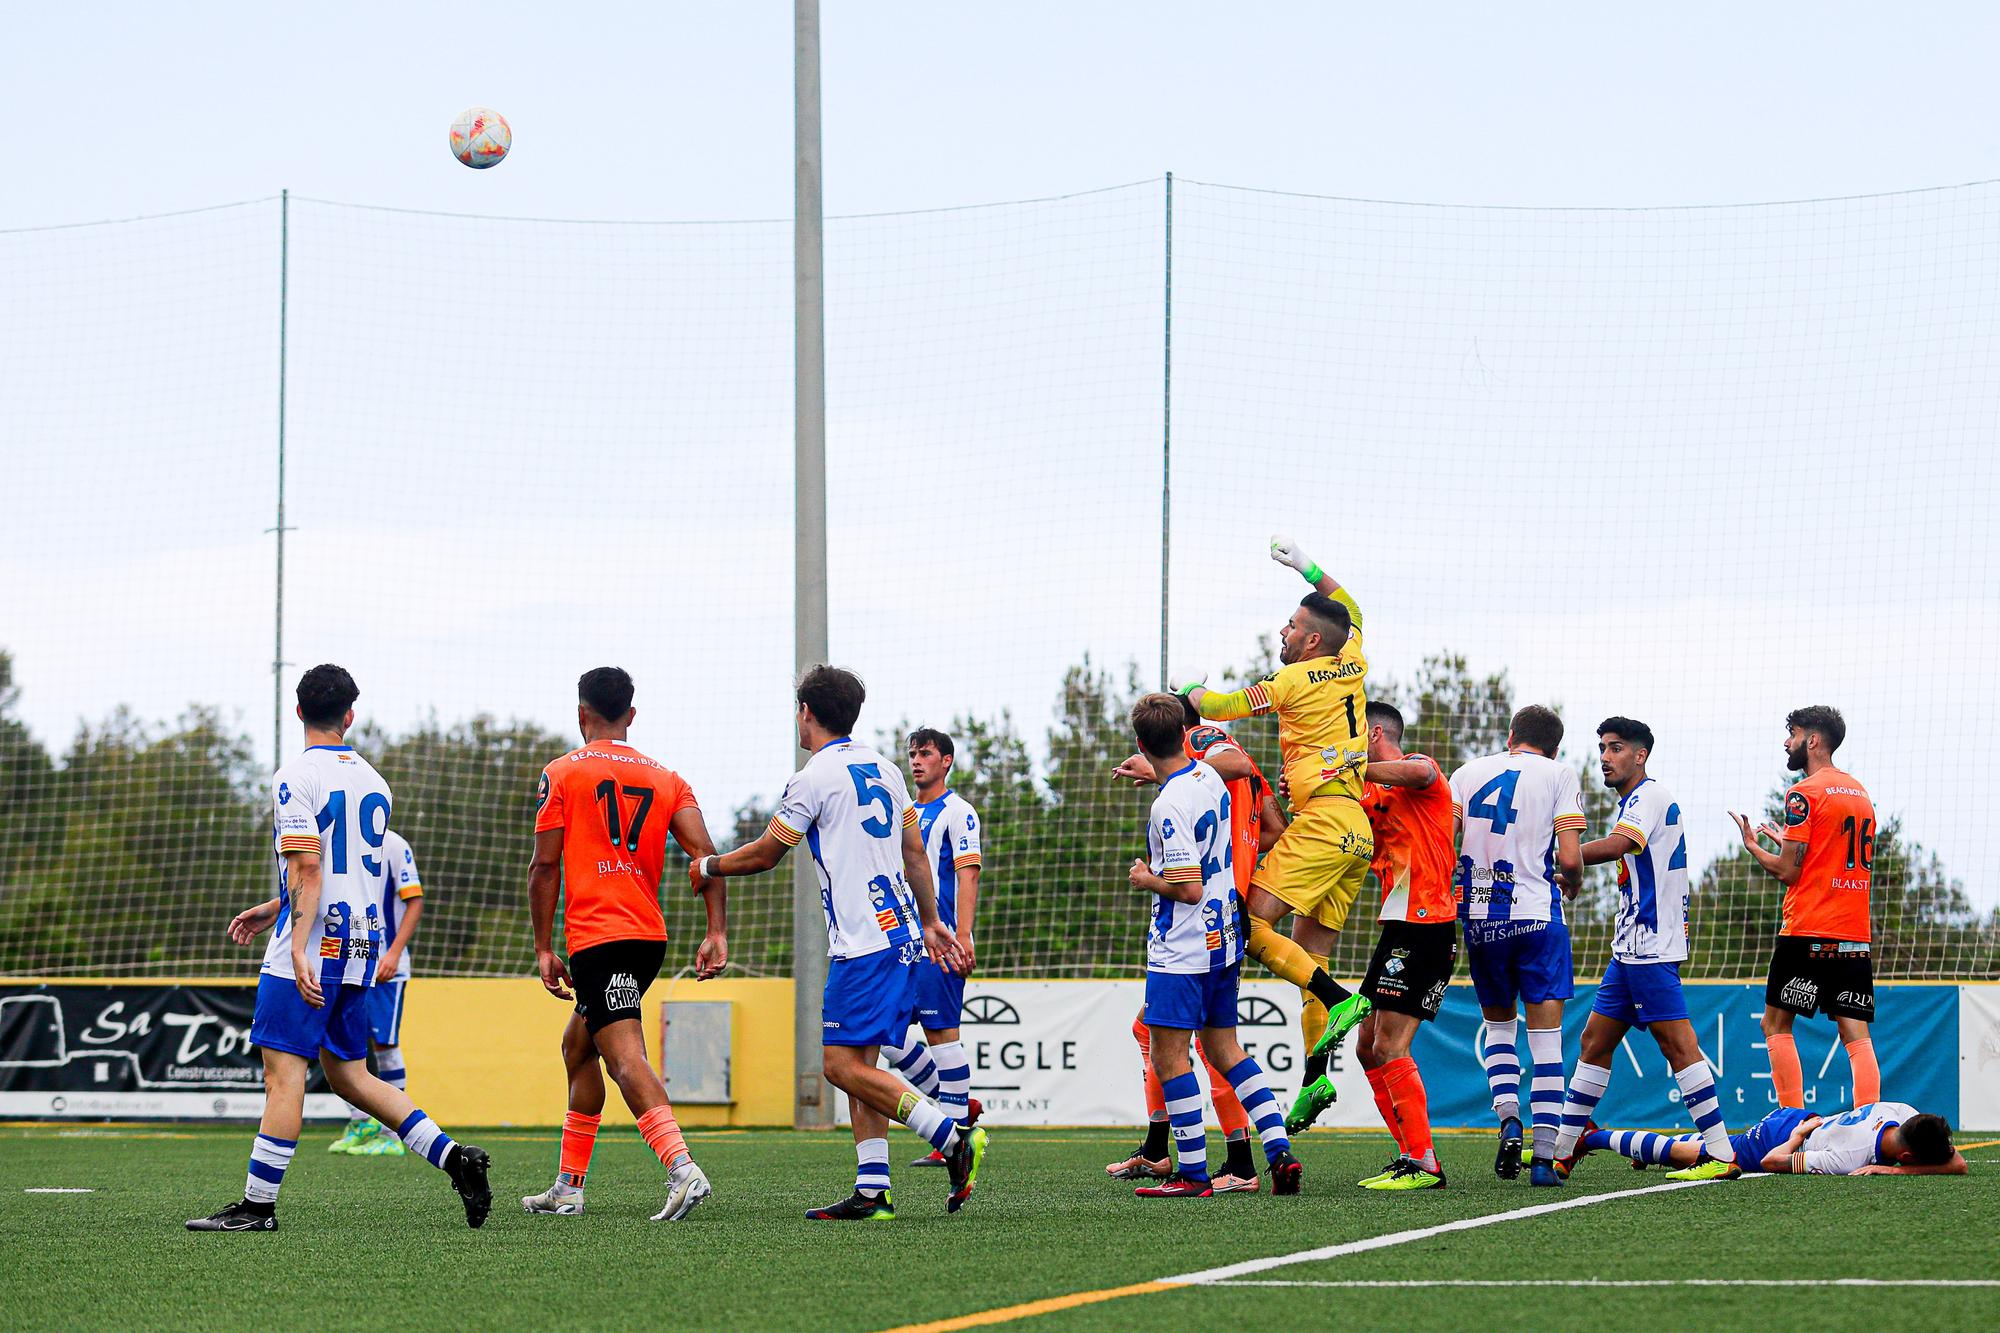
<point x="129" y="1052"/>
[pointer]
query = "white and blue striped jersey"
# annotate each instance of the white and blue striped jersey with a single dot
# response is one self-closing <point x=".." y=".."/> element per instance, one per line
<point x="331" y="801"/>
<point x="849" y="806"/>
<point x="1843" y="1145"/>
<point x="1188" y="839"/>
<point x="1511" y="806"/>
<point x="951" y="838"/>
<point x="1652" y="881"/>
<point x="400" y="883"/>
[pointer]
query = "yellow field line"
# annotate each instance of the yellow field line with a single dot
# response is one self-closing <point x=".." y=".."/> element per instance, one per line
<point x="1983" y="1143"/>
<point x="1007" y="1314"/>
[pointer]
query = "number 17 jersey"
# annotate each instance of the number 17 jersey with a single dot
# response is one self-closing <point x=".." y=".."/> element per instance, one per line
<point x="613" y="805"/>
<point x="849" y="806"/>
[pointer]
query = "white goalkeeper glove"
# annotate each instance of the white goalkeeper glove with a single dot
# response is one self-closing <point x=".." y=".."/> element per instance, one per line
<point x="1287" y="553"/>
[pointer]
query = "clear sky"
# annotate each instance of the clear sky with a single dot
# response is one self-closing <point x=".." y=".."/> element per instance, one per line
<point x="1625" y="457"/>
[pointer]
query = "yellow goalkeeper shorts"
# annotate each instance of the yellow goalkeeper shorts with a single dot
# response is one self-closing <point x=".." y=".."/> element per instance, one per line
<point x="1320" y="861"/>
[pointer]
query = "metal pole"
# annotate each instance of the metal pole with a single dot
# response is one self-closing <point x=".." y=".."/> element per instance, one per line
<point x="813" y="1105"/>
<point x="278" y="611"/>
<point x="1167" y="435"/>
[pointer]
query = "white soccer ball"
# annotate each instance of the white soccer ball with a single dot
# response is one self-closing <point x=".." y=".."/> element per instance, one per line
<point x="480" y="137"/>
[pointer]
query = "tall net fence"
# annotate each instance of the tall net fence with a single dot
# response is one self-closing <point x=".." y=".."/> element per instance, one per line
<point x="1695" y="466"/>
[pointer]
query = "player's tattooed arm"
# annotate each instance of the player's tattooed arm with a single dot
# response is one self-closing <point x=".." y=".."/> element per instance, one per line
<point x="544" y="884"/>
<point x="1600" y="850"/>
<point x="302" y="880"/>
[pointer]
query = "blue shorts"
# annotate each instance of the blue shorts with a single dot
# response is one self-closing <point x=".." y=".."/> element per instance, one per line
<point x="1770" y="1132"/>
<point x="285" y="1022"/>
<point x="1203" y="1000"/>
<point x="940" y="996"/>
<point x="385" y="1012"/>
<point x="1641" y="993"/>
<point x="869" y="1001"/>
<point x="1519" y="960"/>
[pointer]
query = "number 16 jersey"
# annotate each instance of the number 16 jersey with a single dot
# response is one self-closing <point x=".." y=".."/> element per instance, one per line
<point x="613" y="805"/>
<point x="849" y="806"/>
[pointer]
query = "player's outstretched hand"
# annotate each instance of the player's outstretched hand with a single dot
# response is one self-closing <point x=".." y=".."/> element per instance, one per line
<point x="943" y="947"/>
<point x="555" y="977"/>
<point x="1749" y="835"/>
<point x="1287" y="553"/>
<point x="247" y="925"/>
<point x="1137" y="770"/>
<point x="711" y="957"/>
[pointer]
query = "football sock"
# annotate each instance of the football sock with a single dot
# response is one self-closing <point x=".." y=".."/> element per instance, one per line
<point x="1412" y="1110"/>
<point x="1637" y="1144"/>
<point x="1158" y="1134"/>
<point x="1156" y="1101"/>
<point x="421" y="1135"/>
<point x="1698" y="1094"/>
<point x="1788" y="1080"/>
<point x="1378" y="1083"/>
<point x="1503" y="1067"/>
<point x="579" y="1137"/>
<point x="1229" y="1112"/>
<point x="954" y="1077"/>
<point x="927" y="1120"/>
<point x="1867" y="1074"/>
<point x="1248" y="1080"/>
<point x="1286" y="959"/>
<point x="1239" y="1162"/>
<point x="663" y="1135"/>
<point x="1190" y="1143"/>
<point x="1312" y="1026"/>
<point x="1586" y="1085"/>
<point x="871" y="1166"/>
<point x="1545" y="1093"/>
<point x="913" y="1061"/>
<point x="268" y="1159"/>
<point x="389" y="1067"/>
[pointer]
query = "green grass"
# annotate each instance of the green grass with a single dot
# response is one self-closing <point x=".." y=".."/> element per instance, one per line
<point x="382" y="1243"/>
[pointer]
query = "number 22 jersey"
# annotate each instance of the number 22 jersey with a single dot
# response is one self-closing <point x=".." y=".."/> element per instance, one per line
<point x="849" y="806"/>
<point x="613" y="805"/>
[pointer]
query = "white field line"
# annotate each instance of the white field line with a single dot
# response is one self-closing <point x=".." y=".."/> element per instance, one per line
<point x="57" y="1189"/>
<point x="1634" y="1282"/>
<point x="1230" y="1271"/>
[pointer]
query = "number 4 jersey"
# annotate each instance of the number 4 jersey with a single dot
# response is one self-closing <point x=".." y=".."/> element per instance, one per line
<point x="613" y="805"/>
<point x="849" y="806"/>
<point x="1512" y="806"/>
<point x="331" y="801"/>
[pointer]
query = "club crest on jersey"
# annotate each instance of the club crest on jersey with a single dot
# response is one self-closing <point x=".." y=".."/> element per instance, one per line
<point x="284" y="793"/>
<point x="1797" y="809"/>
<point x="542" y="792"/>
<point x="1166" y="828"/>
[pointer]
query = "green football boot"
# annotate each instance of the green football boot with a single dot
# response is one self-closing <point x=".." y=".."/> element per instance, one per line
<point x="1707" y="1169"/>
<point x="1407" y="1175"/>
<point x="358" y="1135"/>
<point x="1342" y="1019"/>
<point x="1313" y="1100"/>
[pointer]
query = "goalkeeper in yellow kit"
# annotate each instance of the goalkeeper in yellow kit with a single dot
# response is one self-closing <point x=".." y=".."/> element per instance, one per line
<point x="1321" y="859"/>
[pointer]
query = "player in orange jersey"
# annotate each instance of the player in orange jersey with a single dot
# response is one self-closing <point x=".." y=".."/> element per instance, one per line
<point x="601" y="825"/>
<point x="1256" y="819"/>
<point x="1409" y="808"/>
<point x="1822" y="962"/>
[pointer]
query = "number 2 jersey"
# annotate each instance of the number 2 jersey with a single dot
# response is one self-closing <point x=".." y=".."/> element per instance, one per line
<point x="1512" y="806"/>
<point x="1189" y="841"/>
<point x="1653" y="880"/>
<point x="849" y="806"/>
<point x="613" y="805"/>
<point x="331" y="801"/>
<point x="1845" y="1144"/>
<point x="951" y="840"/>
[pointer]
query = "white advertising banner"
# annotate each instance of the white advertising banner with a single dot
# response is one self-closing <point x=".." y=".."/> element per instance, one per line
<point x="1979" y="1057"/>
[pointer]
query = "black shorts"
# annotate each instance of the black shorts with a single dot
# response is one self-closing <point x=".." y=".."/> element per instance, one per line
<point x="1412" y="965"/>
<point x="1833" y="977"/>
<point x="611" y="978"/>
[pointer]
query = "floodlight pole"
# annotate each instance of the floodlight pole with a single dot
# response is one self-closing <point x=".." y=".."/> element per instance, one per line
<point x="812" y="1107"/>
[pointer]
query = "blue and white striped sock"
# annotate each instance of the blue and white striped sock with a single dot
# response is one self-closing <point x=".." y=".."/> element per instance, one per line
<point x="389" y="1067"/>
<point x="1586" y="1085"/>
<point x="268" y="1159"/>
<point x="954" y="1077"/>
<point x="1638" y="1144"/>
<point x="1502" y="1057"/>
<point x="1184" y="1109"/>
<point x="925" y="1118"/>
<point x="1545" y="1094"/>
<point x="1262" y="1108"/>
<point x="421" y="1135"/>
<point x="871" y="1170"/>
<point x="1698" y="1091"/>
<point x="912" y="1060"/>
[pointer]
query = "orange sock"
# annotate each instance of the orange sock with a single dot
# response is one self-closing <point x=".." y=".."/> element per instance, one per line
<point x="578" y="1138"/>
<point x="663" y="1135"/>
<point x="1378" y="1079"/>
<point x="1788" y="1080"/>
<point x="1413" y="1108"/>
<point x="1867" y="1074"/>
<point x="1229" y="1111"/>
<point x="1156" y="1096"/>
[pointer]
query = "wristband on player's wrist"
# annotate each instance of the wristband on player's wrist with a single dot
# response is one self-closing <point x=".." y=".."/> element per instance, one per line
<point x="1312" y="573"/>
<point x="711" y="867"/>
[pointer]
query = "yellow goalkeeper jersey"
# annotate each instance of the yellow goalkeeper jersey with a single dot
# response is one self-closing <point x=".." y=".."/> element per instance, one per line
<point x="1322" y="708"/>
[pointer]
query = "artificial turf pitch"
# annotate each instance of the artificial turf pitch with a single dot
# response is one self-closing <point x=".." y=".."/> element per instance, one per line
<point x="378" y="1242"/>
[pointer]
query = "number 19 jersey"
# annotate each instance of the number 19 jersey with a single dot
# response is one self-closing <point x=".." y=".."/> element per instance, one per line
<point x="849" y="806"/>
<point x="331" y="801"/>
<point x="613" y="805"/>
<point x="1512" y="806"/>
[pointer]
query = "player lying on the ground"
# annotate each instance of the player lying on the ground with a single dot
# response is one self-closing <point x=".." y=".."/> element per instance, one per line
<point x="601" y="827"/>
<point x="330" y="816"/>
<point x="1255" y="820"/>
<point x="1880" y="1139"/>
<point x="1193" y="956"/>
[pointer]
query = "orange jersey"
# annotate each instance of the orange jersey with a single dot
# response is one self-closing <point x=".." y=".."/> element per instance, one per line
<point x="1246" y="801"/>
<point x="1414" y="850"/>
<point x="613" y="805"/>
<point x="1831" y="814"/>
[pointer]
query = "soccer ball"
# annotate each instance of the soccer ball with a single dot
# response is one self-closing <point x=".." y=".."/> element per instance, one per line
<point x="480" y="138"/>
